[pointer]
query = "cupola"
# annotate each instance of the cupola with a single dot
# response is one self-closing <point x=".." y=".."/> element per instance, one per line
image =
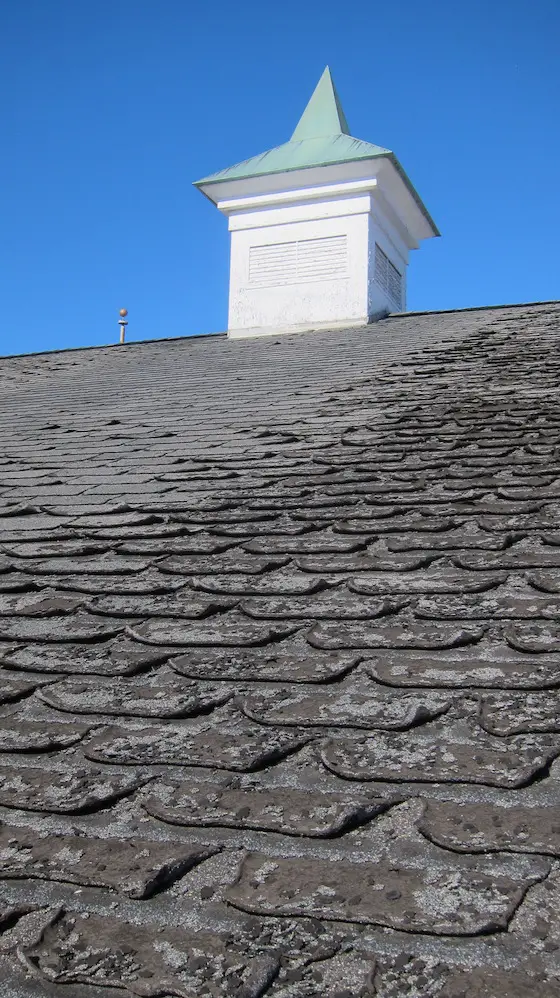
<point x="321" y="227"/>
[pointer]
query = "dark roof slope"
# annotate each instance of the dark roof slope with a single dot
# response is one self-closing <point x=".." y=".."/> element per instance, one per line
<point x="280" y="664"/>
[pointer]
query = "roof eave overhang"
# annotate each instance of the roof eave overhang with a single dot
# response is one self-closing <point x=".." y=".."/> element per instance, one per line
<point x="414" y="194"/>
<point x="271" y="180"/>
<point x="226" y="189"/>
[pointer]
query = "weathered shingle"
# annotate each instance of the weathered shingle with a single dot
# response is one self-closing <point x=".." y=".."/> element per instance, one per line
<point x="280" y="664"/>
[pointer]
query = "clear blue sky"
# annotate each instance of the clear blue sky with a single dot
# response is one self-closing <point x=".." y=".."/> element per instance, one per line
<point x="113" y="107"/>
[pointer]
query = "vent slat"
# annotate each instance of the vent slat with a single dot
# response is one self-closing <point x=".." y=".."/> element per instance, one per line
<point x="297" y="262"/>
<point x="388" y="277"/>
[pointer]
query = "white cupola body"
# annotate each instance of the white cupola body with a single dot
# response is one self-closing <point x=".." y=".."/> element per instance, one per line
<point x="321" y="228"/>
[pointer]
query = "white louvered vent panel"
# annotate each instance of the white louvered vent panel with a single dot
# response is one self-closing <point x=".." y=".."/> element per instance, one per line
<point x="273" y="264"/>
<point x="388" y="277"/>
<point x="298" y="262"/>
<point x="321" y="259"/>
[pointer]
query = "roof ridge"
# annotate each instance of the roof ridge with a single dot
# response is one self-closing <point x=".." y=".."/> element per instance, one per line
<point x="106" y="346"/>
<point x="223" y="335"/>
<point x="470" y="308"/>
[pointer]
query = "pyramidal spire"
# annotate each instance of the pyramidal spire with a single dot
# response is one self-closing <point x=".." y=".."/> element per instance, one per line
<point x="323" y="114"/>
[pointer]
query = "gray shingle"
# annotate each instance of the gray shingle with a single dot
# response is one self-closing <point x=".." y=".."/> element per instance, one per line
<point x="279" y="647"/>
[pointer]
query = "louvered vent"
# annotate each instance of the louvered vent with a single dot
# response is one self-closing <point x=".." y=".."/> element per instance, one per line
<point x="298" y="262"/>
<point x="388" y="277"/>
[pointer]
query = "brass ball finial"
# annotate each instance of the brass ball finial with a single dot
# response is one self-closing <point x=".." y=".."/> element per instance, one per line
<point x="123" y="323"/>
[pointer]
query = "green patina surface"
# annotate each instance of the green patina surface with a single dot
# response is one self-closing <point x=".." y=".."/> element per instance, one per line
<point x="323" y="115"/>
<point x="321" y="138"/>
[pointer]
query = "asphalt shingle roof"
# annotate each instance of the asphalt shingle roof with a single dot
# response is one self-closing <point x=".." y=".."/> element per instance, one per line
<point x="280" y="664"/>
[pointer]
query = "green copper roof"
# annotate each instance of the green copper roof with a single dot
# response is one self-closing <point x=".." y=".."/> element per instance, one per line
<point x="299" y="155"/>
<point x="321" y="138"/>
<point x="323" y="115"/>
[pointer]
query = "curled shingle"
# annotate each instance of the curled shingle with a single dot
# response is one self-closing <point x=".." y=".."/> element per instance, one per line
<point x="198" y="543"/>
<point x="126" y="534"/>
<point x="62" y="792"/>
<point x="315" y="542"/>
<point x="55" y="549"/>
<point x="513" y="600"/>
<point x="227" y="631"/>
<point x="121" y="516"/>
<point x="15" y="582"/>
<point x="491" y="664"/>
<point x="300" y="664"/>
<point x="384" y="561"/>
<point x="464" y="538"/>
<point x="438" y="577"/>
<point x="335" y="604"/>
<point x="74" y="627"/>
<point x="148" y="961"/>
<point x="148" y="582"/>
<point x="102" y="564"/>
<point x="184" y="603"/>
<point x="46" y="603"/>
<point x="136" y="698"/>
<point x="33" y="522"/>
<point x="234" y="561"/>
<point x="12" y="687"/>
<point x="529" y="553"/>
<point x="547" y="582"/>
<point x="120" y="657"/>
<point x="534" y="637"/>
<point x="443" y="902"/>
<point x="510" y="713"/>
<point x="395" y="634"/>
<point x="356" y="703"/>
<point x="275" y="809"/>
<point x="17" y="735"/>
<point x="282" y="582"/>
<point x="282" y="525"/>
<point x="411" y="521"/>
<point x="491" y="827"/>
<point x="137" y="868"/>
<point x="440" y="755"/>
<point x="242" y="747"/>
